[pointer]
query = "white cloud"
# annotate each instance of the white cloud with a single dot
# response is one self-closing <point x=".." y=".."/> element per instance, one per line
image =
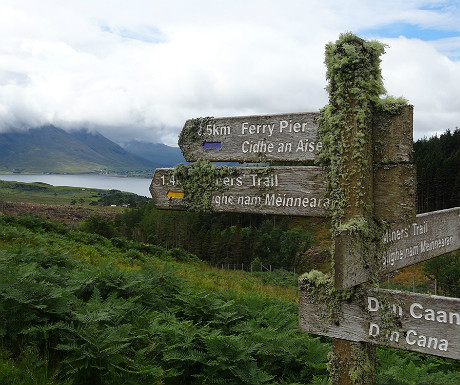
<point x="140" y="69"/>
<point x="448" y="47"/>
<point x="428" y="79"/>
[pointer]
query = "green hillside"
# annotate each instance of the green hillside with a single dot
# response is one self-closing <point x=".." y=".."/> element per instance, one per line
<point x="78" y="308"/>
<point x="82" y="309"/>
<point x="50" y="149"/>
<point x="43" y="193"/>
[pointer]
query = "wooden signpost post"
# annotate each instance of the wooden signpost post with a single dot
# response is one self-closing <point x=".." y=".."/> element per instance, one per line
<point x="377" y="182"/>
<point x="376" y="200"/>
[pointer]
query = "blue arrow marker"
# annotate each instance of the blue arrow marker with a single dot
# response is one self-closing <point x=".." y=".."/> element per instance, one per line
<point x="212" y="145"/>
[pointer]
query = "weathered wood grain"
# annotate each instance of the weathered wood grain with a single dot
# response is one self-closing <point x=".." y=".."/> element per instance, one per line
<point x="393" y="136"/>
<point x="262" y="138"/>
<point x="394" y="192"/>
<point x="416" y="322"/>
<point x="269" y="190"/>
<point x="353" y="262"/>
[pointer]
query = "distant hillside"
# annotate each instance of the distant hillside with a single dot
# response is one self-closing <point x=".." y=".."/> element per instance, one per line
<point x="160" y="154"/>
<point x="51" y="149"/>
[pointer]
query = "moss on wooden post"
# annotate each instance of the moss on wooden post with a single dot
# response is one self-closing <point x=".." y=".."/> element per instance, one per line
<point x="345" y="124"/>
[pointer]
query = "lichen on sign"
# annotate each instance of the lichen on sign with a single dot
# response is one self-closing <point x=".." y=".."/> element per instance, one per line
<point x="198" y="182"/>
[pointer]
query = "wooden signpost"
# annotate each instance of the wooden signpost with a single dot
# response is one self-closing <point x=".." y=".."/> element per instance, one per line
<point x="377" y="182"/>
<point x="433" y="234"/>
<point x="405" y="244"/>
<point x="268" y="190"/>
<point x="416" y="322"/>
<point x="262" y="138"/>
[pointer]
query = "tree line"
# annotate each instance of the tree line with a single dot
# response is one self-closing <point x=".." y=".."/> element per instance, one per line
<point x="221" y="238"/>
<point x="438" y="171"/>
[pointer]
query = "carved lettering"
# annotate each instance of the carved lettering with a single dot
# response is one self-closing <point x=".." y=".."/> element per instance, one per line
<point x="432" y="235"/>
<point x="307" y="146"/>
<point x="292" y="127"/>
<point x="417" y="310"/>
<point x="213" y="129"/>
<point x="413" y="338"/>
<point x="252" y="129"/>
<point x="261" y="146"/>
<point x="284" y="147"/>
<point x="248" y="200"/>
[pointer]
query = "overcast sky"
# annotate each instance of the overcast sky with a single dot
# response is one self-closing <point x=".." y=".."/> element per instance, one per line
<point x="138" y="69"/>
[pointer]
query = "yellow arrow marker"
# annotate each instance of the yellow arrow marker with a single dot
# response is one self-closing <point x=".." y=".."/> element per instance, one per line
<point x="173" y="194"/>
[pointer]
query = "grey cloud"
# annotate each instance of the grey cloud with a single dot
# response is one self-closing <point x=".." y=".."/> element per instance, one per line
<point x="141" y="71"/>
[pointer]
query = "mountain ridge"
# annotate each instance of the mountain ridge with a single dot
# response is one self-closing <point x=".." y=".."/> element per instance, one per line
<point x="159" y="153"/>
<point x="50" y="149"/>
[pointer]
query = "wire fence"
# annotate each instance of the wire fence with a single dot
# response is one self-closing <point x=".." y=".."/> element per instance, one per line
<point x="431" y="284"/>
<point x="252" y="267"/>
